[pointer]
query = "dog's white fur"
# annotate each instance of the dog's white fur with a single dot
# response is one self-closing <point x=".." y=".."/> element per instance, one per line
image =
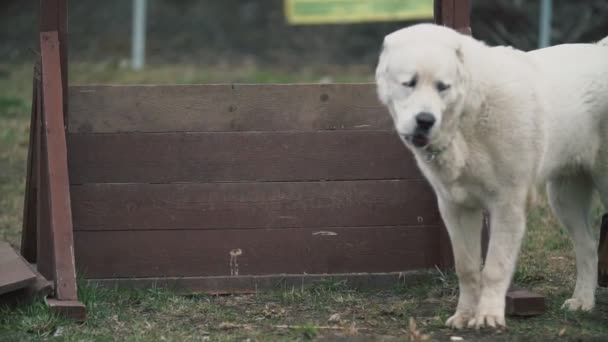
<point x="508" y="121"/>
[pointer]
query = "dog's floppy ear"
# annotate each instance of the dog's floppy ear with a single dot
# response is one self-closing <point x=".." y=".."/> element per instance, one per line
<point x="459" y="53"/>
<point x="382" y="74"/>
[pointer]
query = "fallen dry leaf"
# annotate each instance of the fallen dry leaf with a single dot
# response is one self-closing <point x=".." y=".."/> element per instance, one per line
<point x="351" y="330"/>
<point x="335" y="318"/>
<point x="414" y="335"/>
<point x="228" y="326"/>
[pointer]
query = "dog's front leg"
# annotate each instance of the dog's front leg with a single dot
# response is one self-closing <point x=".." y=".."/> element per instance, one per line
<point x="507" y="224"/>
<point x="464" y="227"/>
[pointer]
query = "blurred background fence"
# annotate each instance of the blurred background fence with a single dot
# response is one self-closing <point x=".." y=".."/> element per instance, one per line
<point x="256" y="31"/>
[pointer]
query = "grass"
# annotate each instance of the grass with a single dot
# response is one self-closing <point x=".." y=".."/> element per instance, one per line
<point x="329" y="310"/>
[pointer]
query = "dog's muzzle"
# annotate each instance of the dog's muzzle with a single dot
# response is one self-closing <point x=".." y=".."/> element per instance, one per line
<point x="424" y="124"/>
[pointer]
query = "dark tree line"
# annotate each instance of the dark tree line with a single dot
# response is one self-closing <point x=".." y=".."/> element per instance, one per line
<point x="232" y="30"/>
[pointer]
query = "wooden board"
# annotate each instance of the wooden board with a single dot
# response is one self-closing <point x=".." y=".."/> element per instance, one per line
<point x="170" y="253"/>
<point x="56" y="169"/>
<point x="522" y="302"/>
<point x="253" y="205"/>
<point x="250" y="156"/>
<point x="14" y="270"/>
<point x="210" y="108"/>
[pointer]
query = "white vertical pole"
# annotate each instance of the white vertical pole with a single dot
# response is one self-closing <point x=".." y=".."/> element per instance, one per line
<point x="138" y="38"/>
<point x="544" y="32"/>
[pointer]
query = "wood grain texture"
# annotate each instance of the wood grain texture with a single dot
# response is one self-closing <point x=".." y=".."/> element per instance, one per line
<point x="251" y="156"/>
<point x="253" y="205"/>
<point x="56" y="170"/>
<point x="44" y="246"/>
<point x="208" y="108"/>
<point x="54" y="17"/>
<point x="169" y="253"/>
<point x="445" y="15"/>
<point x="462" y="14"/>
<point x="522" y="302"/>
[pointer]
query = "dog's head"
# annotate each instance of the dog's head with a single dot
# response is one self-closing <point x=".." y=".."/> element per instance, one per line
<point x="420" y="78"/>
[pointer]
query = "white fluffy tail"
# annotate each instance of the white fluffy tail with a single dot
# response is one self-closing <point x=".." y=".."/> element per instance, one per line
<point x="603" y="41"/>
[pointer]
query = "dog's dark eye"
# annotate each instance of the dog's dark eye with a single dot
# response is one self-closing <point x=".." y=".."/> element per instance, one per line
<point x="442" y="86"/>
<point x="411" y="83"/>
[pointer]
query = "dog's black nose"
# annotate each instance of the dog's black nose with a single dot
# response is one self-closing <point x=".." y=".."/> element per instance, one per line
<point x="425" y="121"/>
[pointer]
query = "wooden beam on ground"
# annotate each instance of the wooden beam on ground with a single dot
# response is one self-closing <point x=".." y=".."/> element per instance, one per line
<point x="20" y="292"/>
<point x="524" y="303"/>
<point x="14" y="271"/>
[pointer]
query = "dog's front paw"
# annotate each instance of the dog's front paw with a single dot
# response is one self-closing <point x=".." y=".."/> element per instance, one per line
<point x="489" y="314"/>
<point x="576" y="304"/>
<point x="488" y="320"/>
<point x="459" y="319"/>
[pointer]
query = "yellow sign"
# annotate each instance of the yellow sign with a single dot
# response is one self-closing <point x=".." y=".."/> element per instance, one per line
<point x="355" y="11"/>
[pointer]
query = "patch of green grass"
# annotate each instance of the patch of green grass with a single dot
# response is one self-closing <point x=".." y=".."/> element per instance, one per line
<point x="161" y="314"/>
<point x="308" y="331"/>
<point x="11" y="107"/>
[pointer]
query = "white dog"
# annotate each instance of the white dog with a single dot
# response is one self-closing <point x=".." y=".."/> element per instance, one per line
<point x="486" y="124"/>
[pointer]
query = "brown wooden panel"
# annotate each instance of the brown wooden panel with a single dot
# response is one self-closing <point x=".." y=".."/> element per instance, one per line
<point x="243" y="156"/>
<point x="14" y="271"/>
<point x="253" y="205"/>
<point x="169" y="253"/>
<point x="54" y="17"/>
<point x="462" y="10"/>
<point x="444" y="12"/>
<point x="197" y="108"/>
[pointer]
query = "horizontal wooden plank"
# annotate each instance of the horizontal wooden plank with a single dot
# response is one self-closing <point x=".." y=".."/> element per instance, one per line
<point x="189" y="253"/>
<point x="14" y="270"/>
<point x="251" y="156"/>
<point x="253" y="205"/>
<point x="203" y="108"/>
<point x="254" y="284"/>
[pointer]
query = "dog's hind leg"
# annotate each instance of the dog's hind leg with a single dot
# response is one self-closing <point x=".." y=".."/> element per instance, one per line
<point x="570" y="198"/>
<point x="464" y="227"/>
